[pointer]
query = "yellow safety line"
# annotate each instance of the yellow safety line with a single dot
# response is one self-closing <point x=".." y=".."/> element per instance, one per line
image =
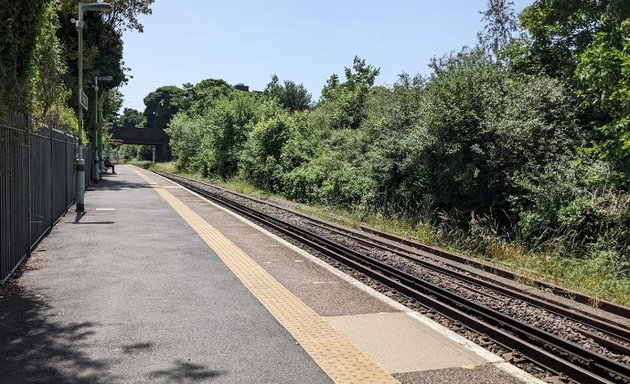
<point x="342" y="361"/>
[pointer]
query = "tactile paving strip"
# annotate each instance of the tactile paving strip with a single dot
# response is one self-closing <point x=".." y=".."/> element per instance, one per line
<point x="342" y="361"/>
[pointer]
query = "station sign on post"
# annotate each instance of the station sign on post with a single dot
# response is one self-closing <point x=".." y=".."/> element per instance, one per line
<point x="84" y="100"/>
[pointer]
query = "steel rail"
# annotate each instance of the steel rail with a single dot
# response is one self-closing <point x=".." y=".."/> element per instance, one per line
<point x="600" y="324"/>
<point x="604" y="305"/>
<point x="476" y="316"/>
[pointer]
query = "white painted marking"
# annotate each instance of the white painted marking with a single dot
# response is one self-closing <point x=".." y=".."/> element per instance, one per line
<point x="480" y="351"/>
<point x="105" y="209"/>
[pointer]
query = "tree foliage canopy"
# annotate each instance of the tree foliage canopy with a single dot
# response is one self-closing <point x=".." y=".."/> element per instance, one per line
<point x="19" y="30"/>
<point x="585" y="43"/>
<point x="500" y="26"/>
<point x="161" y="105"/>
<point x="292" y="96"/>
<point x="132" y="118"/>
<point x="38" y="57"/>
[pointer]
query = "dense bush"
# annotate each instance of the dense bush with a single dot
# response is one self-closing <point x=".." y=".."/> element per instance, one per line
<point x="260" y="160"/>
<point x="185" y="134"/>
<point x="211" y="143"/>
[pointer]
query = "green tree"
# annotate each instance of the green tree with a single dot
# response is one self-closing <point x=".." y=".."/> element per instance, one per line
<point x="292" y="96"/>
<point x="348" y="98"/>
<point x="135" y="152"/>
<point x="102" y="56"/>
<point x="603" y="74"/>
<point x="19" y="32"/>
<point x="585" y="43"/>
<point x="479" y="129"/>
<point x="49" y="90"/>
<point x="560" y="30"/>
<point x="211" y="143"/>
<point x="132" y="118"/>
<point x="500" y="25"/>
<point x="227" y="129"/>
<point x="186" y="133"/>
<point x="260" y="160"/>
<point x="103" y="49"/>
<point x="161" y="105"/>
<point x="111" y="103"/>
<point x="391" y="114"/>
<point x="201" y="97"/>
<point x="124" y="14"/>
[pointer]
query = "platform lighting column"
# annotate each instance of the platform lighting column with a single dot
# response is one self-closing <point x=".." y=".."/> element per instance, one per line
<point x="97" y="129"/>
<point x="80" y="163"/>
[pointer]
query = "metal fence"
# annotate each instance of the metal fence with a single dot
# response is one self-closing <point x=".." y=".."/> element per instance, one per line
<point x="37" y="185"/>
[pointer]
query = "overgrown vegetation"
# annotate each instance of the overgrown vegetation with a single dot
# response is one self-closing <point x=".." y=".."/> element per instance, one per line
<point x="516" y="149"/>
<point x="38" y="59"/>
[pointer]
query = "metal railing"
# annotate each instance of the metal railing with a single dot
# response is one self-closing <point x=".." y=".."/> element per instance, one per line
<point x="37" y="185"/>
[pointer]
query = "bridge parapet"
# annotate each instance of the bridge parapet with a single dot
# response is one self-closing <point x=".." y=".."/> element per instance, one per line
<point x="144" y="136"/>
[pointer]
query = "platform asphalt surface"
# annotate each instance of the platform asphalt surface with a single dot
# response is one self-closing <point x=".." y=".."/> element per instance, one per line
<point x="127" y="293"/>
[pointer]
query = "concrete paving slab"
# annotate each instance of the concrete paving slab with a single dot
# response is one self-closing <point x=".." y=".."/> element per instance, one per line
<point x="484" y="374"/>
<point x="401" y="344"/>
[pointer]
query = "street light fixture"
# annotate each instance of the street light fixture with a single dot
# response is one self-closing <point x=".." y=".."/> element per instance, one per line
<point x="97" y="129"/>
<point x="80" y="165"/>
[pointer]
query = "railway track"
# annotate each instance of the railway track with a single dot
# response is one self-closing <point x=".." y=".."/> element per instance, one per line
<point x="549" y="350"/>
<point x="601" y="324"/>
<point x="559" y="291"/>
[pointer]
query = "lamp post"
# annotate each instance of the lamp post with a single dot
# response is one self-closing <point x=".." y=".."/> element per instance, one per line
<point x="80" y="164"/>
<point x="97" y="129"/>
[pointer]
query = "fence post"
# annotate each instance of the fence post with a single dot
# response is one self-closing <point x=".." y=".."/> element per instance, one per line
<point x="65" y="169"/>
<point x="52" y="178"/>
<point x="30" y="185"/>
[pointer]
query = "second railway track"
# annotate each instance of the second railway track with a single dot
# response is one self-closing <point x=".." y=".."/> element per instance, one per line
<point x="595" y="350"/>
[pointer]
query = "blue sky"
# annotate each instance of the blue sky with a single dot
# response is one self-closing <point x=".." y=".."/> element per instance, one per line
<point x="244" y="41"/>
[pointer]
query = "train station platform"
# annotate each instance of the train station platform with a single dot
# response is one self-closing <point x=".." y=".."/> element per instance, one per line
<point x="154" y="284"/>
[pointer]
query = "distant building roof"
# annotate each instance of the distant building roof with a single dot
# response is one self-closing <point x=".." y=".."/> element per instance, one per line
<point x="241" y="87"/>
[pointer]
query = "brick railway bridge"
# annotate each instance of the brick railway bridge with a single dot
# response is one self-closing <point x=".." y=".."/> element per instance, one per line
<point x="147" y="136"/>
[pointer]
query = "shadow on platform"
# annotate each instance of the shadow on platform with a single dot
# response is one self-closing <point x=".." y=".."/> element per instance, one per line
<point x="34" y="348"/>
<point x="184" y="372"/>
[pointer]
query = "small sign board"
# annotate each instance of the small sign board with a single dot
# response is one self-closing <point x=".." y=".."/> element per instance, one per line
<point x="84" y="100"/>
<point x="115" y="142"/>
